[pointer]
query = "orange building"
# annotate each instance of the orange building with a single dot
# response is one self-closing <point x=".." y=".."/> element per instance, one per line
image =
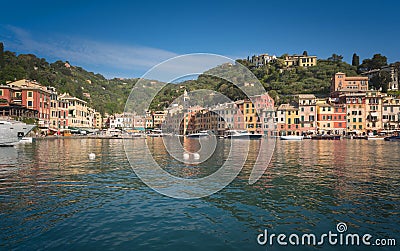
<point x="331" y="118"/>
<point x="343" y="84"/>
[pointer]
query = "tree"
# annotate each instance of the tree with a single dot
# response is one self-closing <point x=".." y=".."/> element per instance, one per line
<point x="335" y="58"/>
<point x="1" y="55"/>
<point x="381" y="81"/>
<point x="356" y="60"/>
<point x="376" y="62"/>
<point x="274" y="95"/>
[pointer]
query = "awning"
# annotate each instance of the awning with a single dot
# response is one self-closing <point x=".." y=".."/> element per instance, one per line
<point x="374" y="114"/>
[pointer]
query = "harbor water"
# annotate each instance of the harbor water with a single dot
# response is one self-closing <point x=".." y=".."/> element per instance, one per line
<point x="52" y="197"/>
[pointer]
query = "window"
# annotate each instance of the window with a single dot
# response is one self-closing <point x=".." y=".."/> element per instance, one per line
<point x="340" y="124"/>
<point x="1" y="92"/>
<point x="312" y="109"/>
<point x="30" y="103"/>
<point x="354" y="120"/>
<point x="360" y="120"/>
<point x="30" y="94"/>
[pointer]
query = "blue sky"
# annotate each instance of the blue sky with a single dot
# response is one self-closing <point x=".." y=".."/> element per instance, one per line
<point x="127" y="38"/>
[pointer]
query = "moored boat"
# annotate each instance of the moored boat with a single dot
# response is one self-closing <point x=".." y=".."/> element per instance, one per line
<point x="292" y="137"/>
<point x="198" y="134"/>
<point x="11" y="132"/>
<point x="393" y="138"/>
<point x="155" y="133"/>
<point x="242" y="134"/>
<point x="326" y="137"/>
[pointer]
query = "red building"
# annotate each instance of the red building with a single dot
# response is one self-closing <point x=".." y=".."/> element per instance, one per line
<point x="31" y="95"/>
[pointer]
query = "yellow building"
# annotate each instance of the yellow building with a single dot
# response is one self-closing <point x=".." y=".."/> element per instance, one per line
<point x="98" y="120"/>
<point x="300" y="60"/>
<point x="251" y="119"/>
<point x="78" y="115"/>
<point x="289" y="120"/>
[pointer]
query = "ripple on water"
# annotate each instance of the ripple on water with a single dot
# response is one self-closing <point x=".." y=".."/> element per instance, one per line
<point x="52" y="196"/>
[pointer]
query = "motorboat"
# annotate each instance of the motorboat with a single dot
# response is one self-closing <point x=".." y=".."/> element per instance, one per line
<point x="292" y="137"/>
<point x="326" y="137"/>
<point x="372" y="136"/>
<point x="11" y="132"/>
<point x="198" y="134"/>
<point x="155" y="133"/>
<point x="242" y="134"/>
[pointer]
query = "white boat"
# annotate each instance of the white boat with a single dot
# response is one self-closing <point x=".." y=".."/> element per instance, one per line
<point x="11" y="132"/>
<point x="292" y="137"/>
<point x="198" y="134"/>
<point x="242" y="134"/>
<point x="26" y="140"/>
<point x="375" y="137"/>
<point x="156" y="133"/>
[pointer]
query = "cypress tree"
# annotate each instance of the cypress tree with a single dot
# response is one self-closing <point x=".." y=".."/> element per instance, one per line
<point x="356" y="60"/>
<point x="1" y="55"/>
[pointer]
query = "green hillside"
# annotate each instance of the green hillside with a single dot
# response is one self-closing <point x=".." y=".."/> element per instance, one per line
<point x="109" y="95"/>
<point x="106" y="95"/>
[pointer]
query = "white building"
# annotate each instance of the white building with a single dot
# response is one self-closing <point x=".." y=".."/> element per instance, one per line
<point x="262" y="59"/>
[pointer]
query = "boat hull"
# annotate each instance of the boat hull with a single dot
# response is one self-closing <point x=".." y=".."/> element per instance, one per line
<point x="249" y="136"/>
<point x="12" y="132"/>
<point x="393" y="138"/>
<point x="291" y="137"/>
<point x="326" y="137"/>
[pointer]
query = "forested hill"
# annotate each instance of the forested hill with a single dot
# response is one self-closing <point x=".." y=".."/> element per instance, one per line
<point x="109" y="95"/>
<point x="106" y="95"/>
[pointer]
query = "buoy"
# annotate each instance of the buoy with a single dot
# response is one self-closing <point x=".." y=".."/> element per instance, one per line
<point x="196" y="156"/>
<point x="92" y="156"/>
<point x="185" y="156"/>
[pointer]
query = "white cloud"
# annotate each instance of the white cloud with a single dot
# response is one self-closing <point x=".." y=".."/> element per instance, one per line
<point x="81" y="51"/>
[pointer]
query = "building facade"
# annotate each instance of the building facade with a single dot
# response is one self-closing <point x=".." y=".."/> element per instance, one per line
<point x="78" y="113"/>
<point x="300" y="60"/>
<point x="343" y="84"/>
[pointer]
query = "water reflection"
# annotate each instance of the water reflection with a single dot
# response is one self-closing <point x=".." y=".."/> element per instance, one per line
<point x="51" y="193"/>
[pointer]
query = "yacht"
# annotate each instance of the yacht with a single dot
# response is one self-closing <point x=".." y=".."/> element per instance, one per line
<point x="242" y="134"/>
<point x="11" y="132"/>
